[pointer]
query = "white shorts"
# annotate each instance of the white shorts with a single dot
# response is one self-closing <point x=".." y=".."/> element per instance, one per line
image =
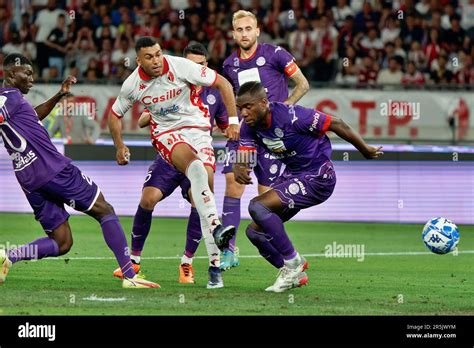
<point x="199" y="139"/>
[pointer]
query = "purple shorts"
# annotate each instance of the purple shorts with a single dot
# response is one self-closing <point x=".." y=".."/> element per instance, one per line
<point x="70" y="187"/>
<point x="304" y="190"/>
<point x="267" y="170"/>
<point x="166" y="178"/>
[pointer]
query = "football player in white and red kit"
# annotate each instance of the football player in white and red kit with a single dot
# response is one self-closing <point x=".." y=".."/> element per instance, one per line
<point x="168" y="87"/>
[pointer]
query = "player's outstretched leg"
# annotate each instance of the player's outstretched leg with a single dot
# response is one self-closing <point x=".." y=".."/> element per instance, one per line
<point x="58" y="242"/>
<point x="265" y="210"/>
<point x="116" y="241"/>
<point x="188" y="163"/>
<point x="193" y="237"/>
<point x="141" y="226"/>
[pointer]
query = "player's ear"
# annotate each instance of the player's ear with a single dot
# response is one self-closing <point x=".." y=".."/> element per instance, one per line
<point x="257" y="31"/>
<point x="137" y="60"/>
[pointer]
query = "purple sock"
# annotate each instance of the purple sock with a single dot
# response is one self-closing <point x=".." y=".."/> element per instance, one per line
<point x="262" y="241"/>
<point x="273" y="227"/>
<point x="193" y="233"/>
<point x="37" y="249"/>
<point x="116" y="241"/>
<point x="141" y="228"/>
<point x="231" y="216"/>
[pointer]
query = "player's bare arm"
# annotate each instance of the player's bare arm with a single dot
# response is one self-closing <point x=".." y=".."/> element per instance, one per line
<point x="115" y="126"/>
<point x="344" y="131"/>
<point x="144" y="120"/>
<point x="44" y="109"/>
<point x="301" y="87"/>
<point x="225" y="88"/>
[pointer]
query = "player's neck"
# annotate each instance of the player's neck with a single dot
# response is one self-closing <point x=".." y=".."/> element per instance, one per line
<point x="245" y="54"/>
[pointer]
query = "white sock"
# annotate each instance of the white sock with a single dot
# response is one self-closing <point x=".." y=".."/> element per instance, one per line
<point x="294" y="262"/>
<point x="135" y="258"/>
<point x="188" y="260"/>
<point x="202" y="195"/>
<point x="212" y="250"/>
<point x="206" y="207"/>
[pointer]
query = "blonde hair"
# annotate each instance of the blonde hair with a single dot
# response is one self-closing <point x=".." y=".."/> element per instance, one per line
<point x="242" y="14"/>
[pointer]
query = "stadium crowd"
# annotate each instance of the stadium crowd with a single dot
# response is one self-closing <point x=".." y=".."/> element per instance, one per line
<point x="347" y="41"/>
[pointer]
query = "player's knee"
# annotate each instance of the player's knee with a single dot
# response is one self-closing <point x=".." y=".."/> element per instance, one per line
<point x="148" y="203"/>
<point x="257" y="210"/>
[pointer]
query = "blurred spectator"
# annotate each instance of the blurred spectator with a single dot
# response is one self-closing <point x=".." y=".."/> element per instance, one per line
<point x="105" y="58"/>
<point x="83" y="50"/>
<point x="423" y="7"/>
<point x="446" y="17"/>
<point x="371" y="40"/>
<point x="26" y="29"/>
<point x="392" y="75"/>
<point x="124" y="54"/>
<point x="325" y="48"/>
<point x="440" y="74"/>
<point x="6" y="26"/>
<point x="26" y="48"/>
<point x="456" y="34"/>
<point x="346" y="35"/>
<point x="367" y="18"/>
<point x="367" y="72"/>
<point x="56" y="42"/>
<point x="388" y="53"/>
<point x="391" y="31"/>
<point x="218" y="46"/>
<point x="432" y="48"/>
<point x="413" y="76"/>
<point x="106" y="30"/>
<point x="348" y="71"/>
<point x="300" y="42"/>
<point x="466" y="74"/>
<point x="51" y="74"/>
<point x="411" y="31"/>
<point x="399" y="51"/>
<point x="45" y="22"/>
<point x="340" y="12"/>
<point x="467" y="21"/>
<point x="417" y="55"/>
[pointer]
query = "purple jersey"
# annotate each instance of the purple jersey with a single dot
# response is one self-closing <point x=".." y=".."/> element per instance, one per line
<point x="296" y="136"/>
<point x="211" y="97"/>
<point x="35" y="159"/>
<point x="269" y="65"/>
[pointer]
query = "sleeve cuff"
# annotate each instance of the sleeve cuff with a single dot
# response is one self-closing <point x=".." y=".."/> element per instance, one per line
<point x="116" y="114"/>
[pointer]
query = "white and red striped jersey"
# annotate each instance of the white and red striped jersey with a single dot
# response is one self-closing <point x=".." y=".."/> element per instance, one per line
<point x="172" y="98"/>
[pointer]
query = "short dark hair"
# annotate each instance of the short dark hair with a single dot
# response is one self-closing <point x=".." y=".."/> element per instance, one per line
<point x="195" y="48"/>
<point x="252" y="87"/>
<point x="146" y="41"/>
<point x="15" y="59"/>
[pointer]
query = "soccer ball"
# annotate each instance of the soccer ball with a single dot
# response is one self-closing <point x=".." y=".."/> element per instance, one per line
<point x="440" y="235"/>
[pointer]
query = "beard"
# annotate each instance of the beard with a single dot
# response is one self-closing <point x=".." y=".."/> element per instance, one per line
<point x="250" y="44"/>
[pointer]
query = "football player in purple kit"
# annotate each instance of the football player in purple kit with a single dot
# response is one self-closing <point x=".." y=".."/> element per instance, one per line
<point x="162" y="179"/>
<point x="48" y="178"/>
<point x="297" y="136"/>
<point x="272" y="66"/>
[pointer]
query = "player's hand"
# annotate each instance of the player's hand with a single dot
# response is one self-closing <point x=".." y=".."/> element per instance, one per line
<point x="241" y="174"/>
<point x="123" y="155"/>
<point x="233" y="132"/>
<point x="373" y="152"/>
<point x="66" y="86"/>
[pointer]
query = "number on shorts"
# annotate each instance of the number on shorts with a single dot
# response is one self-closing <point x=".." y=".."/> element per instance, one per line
<point x="148" y="175"/>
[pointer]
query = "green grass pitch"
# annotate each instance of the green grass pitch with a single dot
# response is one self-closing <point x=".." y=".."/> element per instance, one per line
<point x="398" y="275"/>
